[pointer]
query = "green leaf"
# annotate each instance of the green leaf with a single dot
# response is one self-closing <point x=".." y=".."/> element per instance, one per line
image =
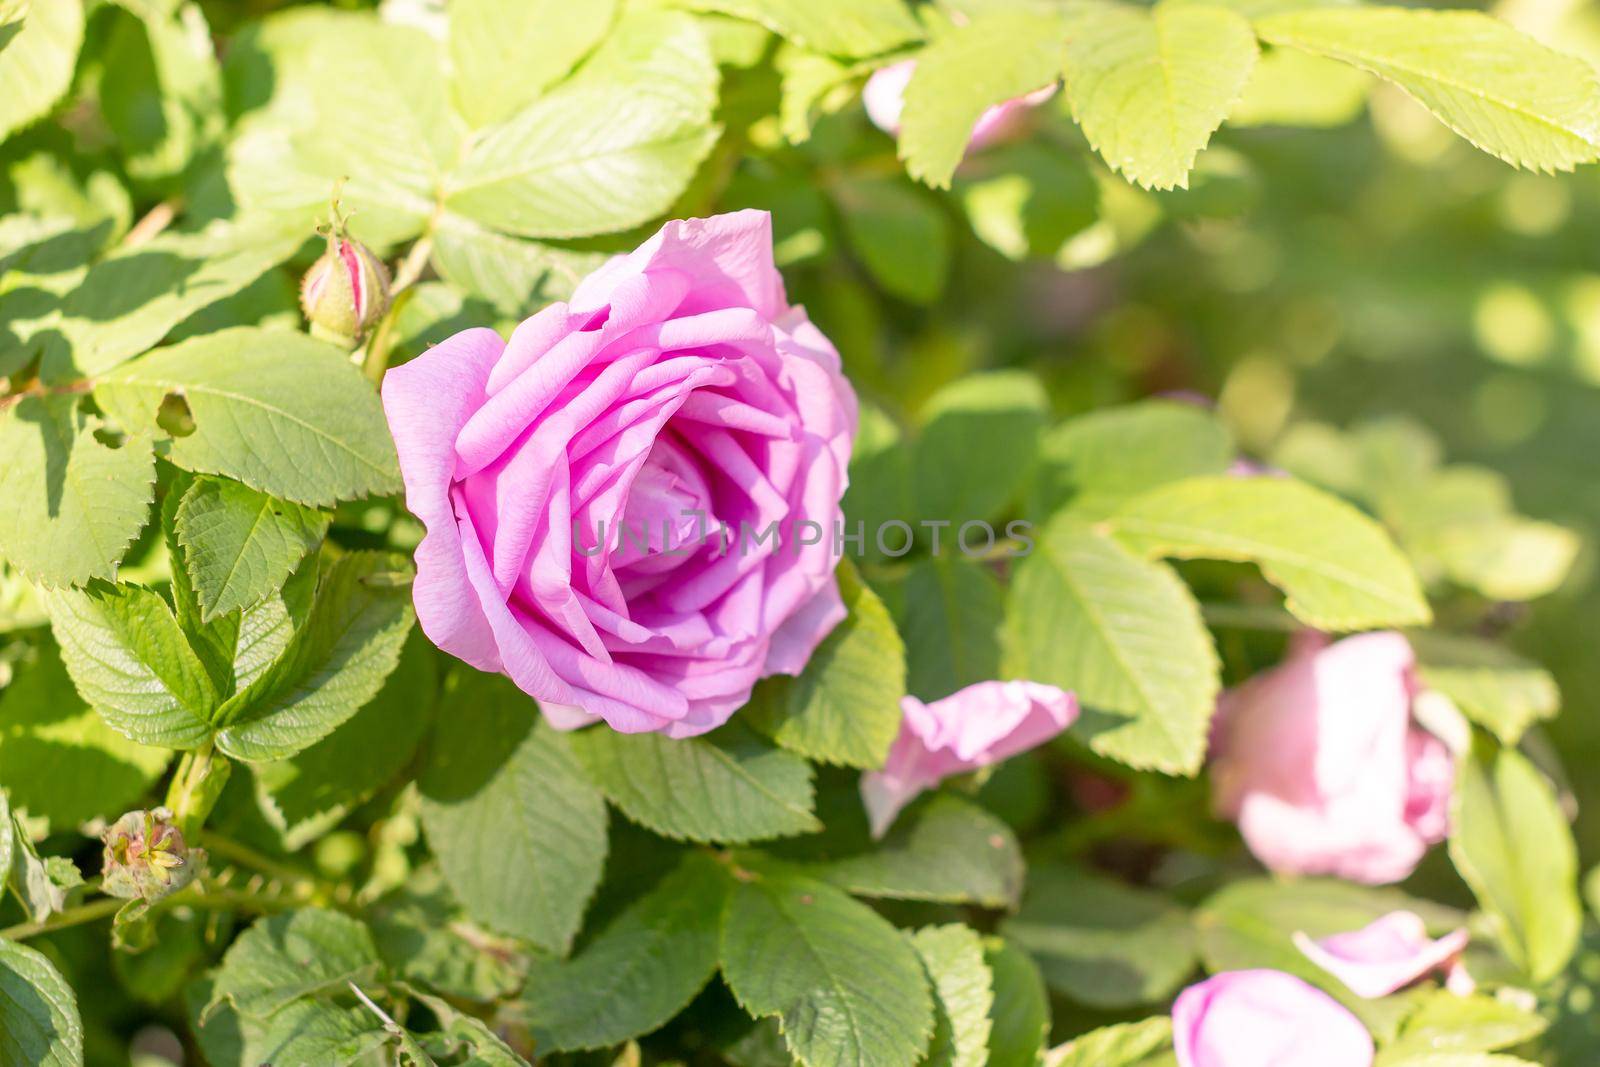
<point x="504" y="53"/>
<point x="516" y="276"/>
<point x="41" y="884"/>
<point x="58" y="759"/>
<point x="1121" y="1045"/>
<point x="266" y="630"/>
<point x="639" y="971"/>
<point x="332" y="666"/>
<point x="1459" y="524"/>
<point x="993" y="58"/>
<point x="1510" y="841"/>
<point x="133" y="297"/>
<point x="220" y="1037"/>
<point x="519" y="832"/>
<point x="161" y="92"/>
<point x="950" y="621"/>
<point x="1150" y="86"/>
<point x="1020" y="1016"/>
<point x="241" y="544"/>
<point x="1449" y="1022"/>
<point x="313" y="1033"/>
<point x="730" y="786"/>
<point x="215" y="642"/>
<point x="132" y="663"/>
<point x="424" y="936"/>
<point x="345" y="98"/>
<point x="844" y="708"/>
<point x="947" y="850"/>
<point x="553" y="171"/>
<point x="37" y="63"/>
<point x="839" y="27"/>
<point x="38" y="1013"/>
<point x="304" y="953"/>
<point x="977" y="447"/>
<point x="1125" y="635"/>
<point x="1290" y="88"/>
<point x="246" y="388"/>
<point x="963" y="994"/>
<point x="847" y="988"/>
<point x="900" y="233"/>
<point x="1095" y="463"/>
<point x="1102" y="942"/>
<point x="812" y="85"/>
<point x="1251" y="924"/>
<point x="12" y="14"/>
<point x="1028" y="198"/>
<point x="1338" y="569"/>
<point x="1492" y="685"/>
<point x="73" y="504"/>
<point x="308" y="792"/>
<point x="1509" y="95"/>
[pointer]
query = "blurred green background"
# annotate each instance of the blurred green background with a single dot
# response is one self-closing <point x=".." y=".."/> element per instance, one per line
<point x="1379" y="274"/>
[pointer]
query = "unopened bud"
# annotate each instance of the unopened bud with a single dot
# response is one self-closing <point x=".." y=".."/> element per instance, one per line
<point x="345" y="291"/>
<point x="146" y="857"/>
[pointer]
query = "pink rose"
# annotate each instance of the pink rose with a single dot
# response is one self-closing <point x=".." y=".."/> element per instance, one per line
<point x="677" y="391"/>
<point x="980" y="725"/>
<point x="1321" y="765"/>
<point x="884" y="98"/>
<point x="1387" y="953"/>
<point x="1265" y="1019"/>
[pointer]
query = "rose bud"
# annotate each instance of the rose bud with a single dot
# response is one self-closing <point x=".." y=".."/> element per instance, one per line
<point x="976" y="727"/>
<point x="1322" y="766"/>
<point x="146" y="857"/>
<point x="345" y="291"/>
<point x="1265" y="1019"/>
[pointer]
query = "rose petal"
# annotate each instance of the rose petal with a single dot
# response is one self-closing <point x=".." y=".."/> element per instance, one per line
<point x="1265" y="1018"/>
<point x="976" y="727"/>
<point x="1390" y="952"/>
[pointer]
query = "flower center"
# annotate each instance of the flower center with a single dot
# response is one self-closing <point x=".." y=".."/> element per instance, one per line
<point x="668" y="513"/>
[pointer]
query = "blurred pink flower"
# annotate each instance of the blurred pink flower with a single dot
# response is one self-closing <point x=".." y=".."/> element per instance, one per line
<point x="978" y="726"/>
<point x="1384" y="955"/>
<point x="677" y="381"/>
<point x="1321" y="765"/>
<point x="884" y="99"/>
<point x="1265" y="1019"/>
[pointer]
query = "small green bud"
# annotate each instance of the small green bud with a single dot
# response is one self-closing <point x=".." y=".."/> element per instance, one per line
<point x="345" y="291"/>
<point x="146" y="857"/>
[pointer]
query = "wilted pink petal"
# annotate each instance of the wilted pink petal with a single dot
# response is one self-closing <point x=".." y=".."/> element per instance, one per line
<point x="1384" y="955"/>
<point x="978" y="726"/>
<point x="1265" y="1019"/>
